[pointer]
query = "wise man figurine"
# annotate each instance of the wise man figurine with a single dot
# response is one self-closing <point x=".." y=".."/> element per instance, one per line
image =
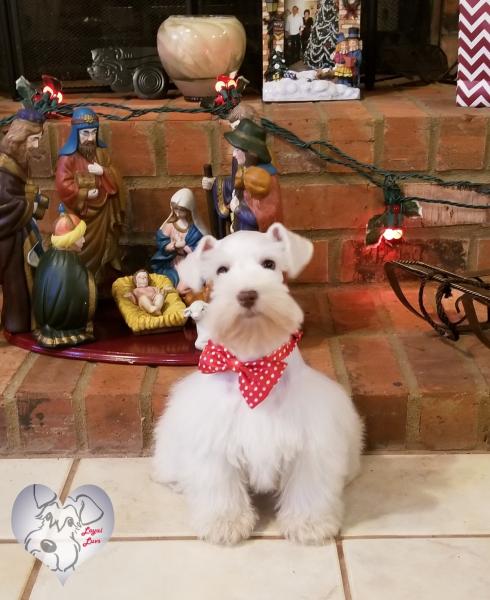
<point x="20" y="205"/>
<point x="249" y="199"/>
<point x="89" y="187"/>
<point x="64" y="293"/>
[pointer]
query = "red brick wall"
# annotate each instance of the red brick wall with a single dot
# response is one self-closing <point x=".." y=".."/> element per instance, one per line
<point x="417" y="130"/>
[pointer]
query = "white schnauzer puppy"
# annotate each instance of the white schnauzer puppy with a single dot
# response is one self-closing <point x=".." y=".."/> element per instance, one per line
<point x="255" y="417"/>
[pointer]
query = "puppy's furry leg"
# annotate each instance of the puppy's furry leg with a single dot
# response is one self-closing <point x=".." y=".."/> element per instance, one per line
<point x="310" y="504"/>
<point x="220" y="506"/>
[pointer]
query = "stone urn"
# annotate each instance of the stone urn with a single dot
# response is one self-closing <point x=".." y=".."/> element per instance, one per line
<point x="194" y="50"/>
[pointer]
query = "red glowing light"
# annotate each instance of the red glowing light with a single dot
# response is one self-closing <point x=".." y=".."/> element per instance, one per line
<point x="47" y="89"/>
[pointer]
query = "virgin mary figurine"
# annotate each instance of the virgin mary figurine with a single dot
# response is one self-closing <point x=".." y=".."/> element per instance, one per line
<point x="178" y="236"/>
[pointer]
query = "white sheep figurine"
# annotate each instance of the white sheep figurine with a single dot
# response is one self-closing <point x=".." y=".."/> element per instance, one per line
<point x="196" y="311"/>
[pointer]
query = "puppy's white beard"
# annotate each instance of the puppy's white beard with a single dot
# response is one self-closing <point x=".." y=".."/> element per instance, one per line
<point x="251" y="334"/>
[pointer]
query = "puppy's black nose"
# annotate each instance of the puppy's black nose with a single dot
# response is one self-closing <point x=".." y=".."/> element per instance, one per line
<point x="48" y="546"/>
<point x="247" y="298"/>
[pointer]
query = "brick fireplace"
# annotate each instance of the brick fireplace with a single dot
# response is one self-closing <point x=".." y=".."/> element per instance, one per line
<point x="49" y="405"/>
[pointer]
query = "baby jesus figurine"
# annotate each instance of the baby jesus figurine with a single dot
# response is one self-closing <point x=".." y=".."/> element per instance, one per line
<point x="147" y="297"/>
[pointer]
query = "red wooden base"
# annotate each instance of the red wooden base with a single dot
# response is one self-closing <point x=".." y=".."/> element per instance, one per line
<point x="115" y="343"/>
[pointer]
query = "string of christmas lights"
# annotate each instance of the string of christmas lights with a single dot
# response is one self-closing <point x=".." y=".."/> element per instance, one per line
<point x="387" y="225"/>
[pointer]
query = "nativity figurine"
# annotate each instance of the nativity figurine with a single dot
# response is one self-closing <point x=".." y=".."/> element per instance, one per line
<point x="178" y="236"/>
<point x="250" y="198"/>
<point x="148" y="297"/>
<point x="64" y="292"/>
<point x="89" y="187"/>
<point x="20" y="205"/>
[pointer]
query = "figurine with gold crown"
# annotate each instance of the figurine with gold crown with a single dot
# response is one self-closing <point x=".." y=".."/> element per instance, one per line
<point x="64" y="294"/>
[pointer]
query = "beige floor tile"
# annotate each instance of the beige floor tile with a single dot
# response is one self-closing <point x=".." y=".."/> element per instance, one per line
<point x="16" y="474"/>
<point x="193" y="570"/>
<point x="420" y="494"/>
<point x="143" y="507"/>
<point x="15" y="566"/>
<point x="418" y="569"/>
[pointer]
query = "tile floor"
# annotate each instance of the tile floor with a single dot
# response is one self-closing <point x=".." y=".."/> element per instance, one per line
<point x="417" y="527"/>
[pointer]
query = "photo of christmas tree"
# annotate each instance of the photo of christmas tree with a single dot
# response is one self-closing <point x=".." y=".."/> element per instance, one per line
<point x="312" y="50"/>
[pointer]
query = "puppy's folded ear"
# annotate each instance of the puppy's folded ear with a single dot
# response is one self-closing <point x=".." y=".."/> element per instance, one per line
<point x="190" y="270"/>
<point x="88" y="510"/>
<point x="297" y="249"/>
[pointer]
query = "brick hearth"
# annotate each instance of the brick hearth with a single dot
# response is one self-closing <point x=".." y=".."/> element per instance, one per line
<point x="415" y="390"/>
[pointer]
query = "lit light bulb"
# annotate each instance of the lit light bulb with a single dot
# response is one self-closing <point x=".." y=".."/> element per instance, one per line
<point x="389" y="234"/>
<point x="397" y="234"/>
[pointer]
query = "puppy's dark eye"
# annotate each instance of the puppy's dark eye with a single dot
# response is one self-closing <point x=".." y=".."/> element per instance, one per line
<point x="222" y="269"/>
<point x="70" y="522"/>
<point x="269" y="264"/>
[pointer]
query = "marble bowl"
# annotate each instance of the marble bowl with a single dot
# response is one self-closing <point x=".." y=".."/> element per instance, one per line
<point x="194" y="50"/>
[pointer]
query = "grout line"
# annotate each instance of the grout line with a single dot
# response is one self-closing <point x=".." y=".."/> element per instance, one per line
<point x="11" y="409"/>
<point x="182" y="538"/>
<point x="339" y="539"/>
<point x="339" y="365"/>
<point x="31" y="580"/>
<point x="415" y="536"/>
<point x="69" y="479"/>
<point x="343" y="569"/>
<point x="78" y="405"/>
<point x="145" y="405"/>
<point x="144" y="454"/>
<point x="412" y="420"/>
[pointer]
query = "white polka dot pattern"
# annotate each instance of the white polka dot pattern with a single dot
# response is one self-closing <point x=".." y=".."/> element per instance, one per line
<point x="256" y="378"/>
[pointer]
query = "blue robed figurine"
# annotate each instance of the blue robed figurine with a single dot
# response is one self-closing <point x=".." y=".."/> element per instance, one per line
<point x="178" y="236"/>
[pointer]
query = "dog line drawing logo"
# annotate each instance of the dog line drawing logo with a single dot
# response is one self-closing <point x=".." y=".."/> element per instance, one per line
<point x="62" y="535"/>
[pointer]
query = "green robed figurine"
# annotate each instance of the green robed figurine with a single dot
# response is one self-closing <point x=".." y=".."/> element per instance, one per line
<point x="64" y="294"/>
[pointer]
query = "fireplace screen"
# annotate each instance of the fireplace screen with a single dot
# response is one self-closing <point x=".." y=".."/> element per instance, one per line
<point x="56" y="36"/>
<point x="403" y="38"/>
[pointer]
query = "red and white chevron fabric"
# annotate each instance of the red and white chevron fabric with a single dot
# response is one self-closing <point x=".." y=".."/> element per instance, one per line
<point x="474" y="53"/>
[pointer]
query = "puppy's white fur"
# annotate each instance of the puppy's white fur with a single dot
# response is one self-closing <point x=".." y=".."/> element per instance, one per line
<point x="303" y="442"/>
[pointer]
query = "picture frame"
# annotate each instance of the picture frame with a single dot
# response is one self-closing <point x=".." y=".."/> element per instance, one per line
<point x="311" y="50"/>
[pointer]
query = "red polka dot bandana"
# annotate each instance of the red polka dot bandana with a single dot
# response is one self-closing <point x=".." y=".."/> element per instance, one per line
<point x="256" y="377"/>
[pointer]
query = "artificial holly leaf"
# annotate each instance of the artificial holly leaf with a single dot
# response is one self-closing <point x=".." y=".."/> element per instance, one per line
<point x="411" y="208"/>
<point x="374" y="229"/>
<point x="26" y="91"/>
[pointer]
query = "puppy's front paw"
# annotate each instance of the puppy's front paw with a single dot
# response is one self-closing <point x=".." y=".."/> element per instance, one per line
<point x="311" y="531"/>
<point x="228" y="529"/>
